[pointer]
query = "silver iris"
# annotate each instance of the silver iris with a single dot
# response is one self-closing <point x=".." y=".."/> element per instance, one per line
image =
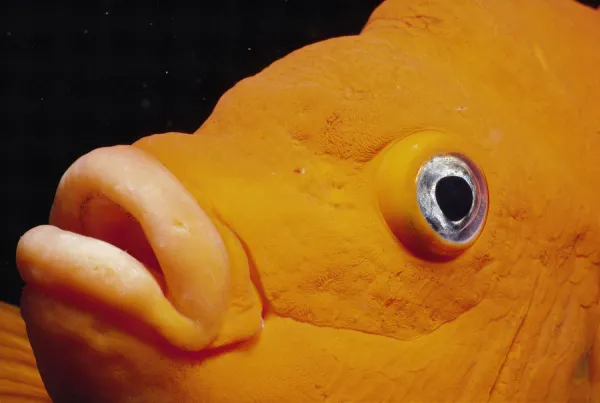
<point x="453" y="229"/>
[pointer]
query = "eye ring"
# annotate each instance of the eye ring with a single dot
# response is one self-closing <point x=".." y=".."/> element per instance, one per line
<point x="415" y="181"/>
<point x="459" y="219"/>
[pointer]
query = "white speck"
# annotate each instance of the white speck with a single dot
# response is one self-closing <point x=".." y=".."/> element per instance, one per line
<point x="42" y="98"/>
<point x="180" y="226"/>
<point x="106" y="13"/>
<point x="167" y="72"/>
<point x="150" y="24"/>
<point x="539" y="54"/>
<point x="9" y="33"/>
<point x="85" y="31"/>
<point x="204" y="98"/>
<point x="302" y="171"/>
<point x="495" y="136"/>
<point x="145" y="103"/>
<point x="462" y="108"/>
<point x="249" y="48"/>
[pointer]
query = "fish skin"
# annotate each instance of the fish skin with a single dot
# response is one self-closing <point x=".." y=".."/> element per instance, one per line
<point x="350" y="314"/>
<point x="20" y="380"/>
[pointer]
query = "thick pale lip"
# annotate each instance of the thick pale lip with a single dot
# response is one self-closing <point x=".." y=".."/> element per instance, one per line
<point x="187" y="301"/>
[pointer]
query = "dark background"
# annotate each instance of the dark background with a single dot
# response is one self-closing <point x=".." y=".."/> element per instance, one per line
<point x="74" y="77"/>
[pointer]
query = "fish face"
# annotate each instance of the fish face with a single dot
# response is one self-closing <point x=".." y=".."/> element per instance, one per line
<point x="381" y="217"/>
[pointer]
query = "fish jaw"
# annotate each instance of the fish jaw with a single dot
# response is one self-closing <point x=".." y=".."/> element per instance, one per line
<point x="126" y="240"/>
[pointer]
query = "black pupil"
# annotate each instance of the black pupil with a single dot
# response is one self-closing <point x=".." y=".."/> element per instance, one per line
<point x="454" y="196"/>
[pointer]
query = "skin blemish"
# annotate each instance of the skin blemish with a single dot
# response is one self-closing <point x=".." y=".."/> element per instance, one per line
<point x="582" y="369"/>
<point x="539" y="54"/>
<point x="180" y="225"/>
<point x="423" y="22"/>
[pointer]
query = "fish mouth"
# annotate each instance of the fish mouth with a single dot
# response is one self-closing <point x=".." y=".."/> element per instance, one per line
<point x="125" y="234"/>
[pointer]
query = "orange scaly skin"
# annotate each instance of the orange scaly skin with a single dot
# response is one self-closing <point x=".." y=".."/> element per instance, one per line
<point x="291" y="169"/>
<point x="20" y="380"/>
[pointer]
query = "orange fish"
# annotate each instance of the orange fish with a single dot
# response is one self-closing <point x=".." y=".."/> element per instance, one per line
<point x="405" y="215"/>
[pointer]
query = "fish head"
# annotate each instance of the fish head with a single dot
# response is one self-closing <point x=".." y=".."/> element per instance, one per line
<point x="405" y="214"/>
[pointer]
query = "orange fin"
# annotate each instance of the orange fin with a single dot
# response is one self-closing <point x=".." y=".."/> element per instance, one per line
<point x="20" y="380"/>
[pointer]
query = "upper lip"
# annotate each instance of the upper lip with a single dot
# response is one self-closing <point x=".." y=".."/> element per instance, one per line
<point x="72" y="254"/>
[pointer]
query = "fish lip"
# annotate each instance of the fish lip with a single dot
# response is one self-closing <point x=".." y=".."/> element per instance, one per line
<point x="188" y="308"/>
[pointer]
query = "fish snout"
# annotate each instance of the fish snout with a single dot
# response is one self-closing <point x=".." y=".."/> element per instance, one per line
<point x="125" y="234"/>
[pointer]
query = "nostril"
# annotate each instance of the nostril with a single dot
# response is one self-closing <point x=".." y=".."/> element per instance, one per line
<point x="105" y="220"/>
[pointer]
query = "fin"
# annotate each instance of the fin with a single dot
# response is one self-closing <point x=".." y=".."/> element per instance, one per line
<point x="20" y="381"/>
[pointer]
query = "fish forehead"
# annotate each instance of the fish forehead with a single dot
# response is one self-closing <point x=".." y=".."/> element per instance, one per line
<point x="538" y="55"/>
<point x="478" y="70"/>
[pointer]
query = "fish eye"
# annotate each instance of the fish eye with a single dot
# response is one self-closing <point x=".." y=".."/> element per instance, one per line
<point x="452" y="196"/>
<point x="432" y="193"/>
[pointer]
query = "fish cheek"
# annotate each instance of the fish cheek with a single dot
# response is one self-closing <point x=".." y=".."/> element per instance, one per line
<point x="83" y="358"/>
